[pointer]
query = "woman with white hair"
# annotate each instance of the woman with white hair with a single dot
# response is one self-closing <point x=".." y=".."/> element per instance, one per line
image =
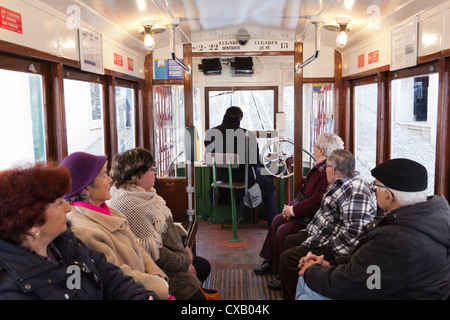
<point x="297" y="214"/>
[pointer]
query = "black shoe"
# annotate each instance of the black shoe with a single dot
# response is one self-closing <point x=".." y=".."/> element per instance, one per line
<point x="243" y="220"/>
<point x="265" y="268"/>
<point x="274" y="285"/>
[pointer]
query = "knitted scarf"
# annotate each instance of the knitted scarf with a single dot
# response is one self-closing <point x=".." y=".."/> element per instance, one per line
<point x="146" y="213"/>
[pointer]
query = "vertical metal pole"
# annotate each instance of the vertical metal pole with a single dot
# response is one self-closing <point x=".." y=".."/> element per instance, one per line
<point x="235" y="238"/>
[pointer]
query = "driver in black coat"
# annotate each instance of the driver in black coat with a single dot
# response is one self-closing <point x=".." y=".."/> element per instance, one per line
<point x="233" y="141"/>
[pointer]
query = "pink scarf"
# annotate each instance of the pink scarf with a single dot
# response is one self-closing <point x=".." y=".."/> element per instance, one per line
<point x="102" y="209"/>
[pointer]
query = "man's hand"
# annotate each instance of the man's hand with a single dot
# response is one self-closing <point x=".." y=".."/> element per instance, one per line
<point x="310" y="259"/>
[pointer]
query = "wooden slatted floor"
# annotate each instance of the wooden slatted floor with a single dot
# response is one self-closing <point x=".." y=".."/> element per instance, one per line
<point x="233" y="262"/>
<point x="241" y="284"/>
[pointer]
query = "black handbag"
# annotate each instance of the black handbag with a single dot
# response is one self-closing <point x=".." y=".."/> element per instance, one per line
<point x="299" y="198"/>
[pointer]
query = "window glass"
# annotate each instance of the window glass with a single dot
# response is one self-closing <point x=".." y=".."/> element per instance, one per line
<point x="414" y="121"/>
<point x="365" y="108"/>
<point x="257" y="106"/>
<point x="318" y="113"/>
<point x="169" y="130"/>
<point x="125" y="108"/>
<point x="22" y="125"/>
<point x="84" y="116"/>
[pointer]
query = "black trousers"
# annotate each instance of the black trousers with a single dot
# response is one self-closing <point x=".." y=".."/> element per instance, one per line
<point x="202" y="267"/>
<point x="290" y="258"/>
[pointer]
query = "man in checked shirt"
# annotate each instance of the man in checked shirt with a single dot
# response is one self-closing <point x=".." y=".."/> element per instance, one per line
<point x="347" y="206"/>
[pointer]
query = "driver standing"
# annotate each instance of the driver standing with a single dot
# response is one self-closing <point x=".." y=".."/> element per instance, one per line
<point x="229" y="137"/>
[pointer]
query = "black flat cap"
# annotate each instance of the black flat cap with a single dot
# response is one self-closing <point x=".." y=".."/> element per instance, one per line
<point x="402" y="175"/>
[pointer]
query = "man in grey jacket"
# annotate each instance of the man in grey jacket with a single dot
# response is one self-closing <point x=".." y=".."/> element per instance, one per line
<point x="402" y="255"/>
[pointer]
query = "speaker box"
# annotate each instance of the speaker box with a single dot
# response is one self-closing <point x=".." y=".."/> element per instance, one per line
<point x="211" y="66"/>
<point x="243" y="65"/>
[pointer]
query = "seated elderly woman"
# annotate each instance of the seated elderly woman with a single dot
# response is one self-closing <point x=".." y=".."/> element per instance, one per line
<point x="151" y="221"/>
<point x="298" y="213"/>
<point x="40" y="258"/>
<point x="104" y="229"/>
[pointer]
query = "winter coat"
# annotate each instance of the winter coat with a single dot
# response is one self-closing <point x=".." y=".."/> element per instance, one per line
<point x="25" y="275"/>
<point x="112" y="236"/>
<point x="151" y="221"/>
<point x="238" y="174"/>
<point x="403" y="255"/>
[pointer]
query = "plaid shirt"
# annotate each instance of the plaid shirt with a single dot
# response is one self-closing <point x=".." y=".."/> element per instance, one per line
<point x="347" y="206"/>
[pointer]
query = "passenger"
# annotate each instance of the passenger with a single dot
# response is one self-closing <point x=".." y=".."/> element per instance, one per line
<point x="347" y="206"/>
<point x="40" y="255"/>
<point x="151" y="221"/>
<point x="104" y="229"/>
<point x="402" y="255"/>
<point x="230" y="136"/>
<point x="302" y="208"/>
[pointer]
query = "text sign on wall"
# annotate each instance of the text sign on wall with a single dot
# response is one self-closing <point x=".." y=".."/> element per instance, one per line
<point x="167" y="69"/>
<point x="404" y="46"/>
<point x="10" y="20"/>
<point x="118" y="60"/>
<point x="91" y="51"/>
<point x="361" y="60"/>
<point x="234" y="46"/>
<point x="130" y="64"/>
<point x="373" y="56"/>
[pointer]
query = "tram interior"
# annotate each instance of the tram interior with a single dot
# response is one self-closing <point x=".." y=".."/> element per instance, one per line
<point x="118" y="95"/>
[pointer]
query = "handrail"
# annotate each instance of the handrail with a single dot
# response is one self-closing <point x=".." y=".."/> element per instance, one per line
<point x="318" y="26"/>
<point x="172" y="27"/>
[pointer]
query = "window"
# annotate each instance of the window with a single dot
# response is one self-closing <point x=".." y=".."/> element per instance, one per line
<point x="365" y="113"/>
<point x="169" y="130"/>
<point x="259" y="106"/>
<point x="414" y="103"/>
<point x="84" y="116"/>
<point x="125" y="110"/>
<point x="318" y="113"/>
<point x="22" y="126"/>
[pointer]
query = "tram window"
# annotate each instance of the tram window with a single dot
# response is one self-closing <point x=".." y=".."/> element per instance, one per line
<point x="365" y="110"/>
<point x="414" y="102"/>
<point x="22" y="126"/>
<point x="318" y="113"/>
<point x="257" y="105"/>
<point x="125" y="109"/>
<point x="84" y="116"/>
<point x="198" y="123"/>
<point x="169" y="130"/>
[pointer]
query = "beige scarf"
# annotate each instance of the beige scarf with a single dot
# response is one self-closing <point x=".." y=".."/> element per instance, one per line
<point x="146" y="213"/>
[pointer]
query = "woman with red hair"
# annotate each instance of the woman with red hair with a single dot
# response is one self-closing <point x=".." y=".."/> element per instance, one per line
<point x="40" y="258"/>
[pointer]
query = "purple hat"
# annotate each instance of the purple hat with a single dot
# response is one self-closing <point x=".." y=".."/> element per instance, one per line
<point x="84" y="168"/>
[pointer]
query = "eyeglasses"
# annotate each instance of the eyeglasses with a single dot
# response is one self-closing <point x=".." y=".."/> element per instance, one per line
<point x="328" y="165"/>
<point x="373" y="185"/>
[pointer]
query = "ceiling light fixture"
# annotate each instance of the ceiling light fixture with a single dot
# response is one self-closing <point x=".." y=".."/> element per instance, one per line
<point x="341" y="29"/>
<point x="149" y="31"/>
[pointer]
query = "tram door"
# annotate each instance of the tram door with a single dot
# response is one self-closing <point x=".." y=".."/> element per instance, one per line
<point x="168" y="117"/>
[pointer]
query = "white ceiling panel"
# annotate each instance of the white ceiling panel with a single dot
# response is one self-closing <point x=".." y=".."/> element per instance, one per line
<point x="221" y="19"/>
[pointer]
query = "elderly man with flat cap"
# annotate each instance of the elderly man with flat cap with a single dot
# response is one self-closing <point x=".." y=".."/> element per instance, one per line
<point x="403" y="255"/>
